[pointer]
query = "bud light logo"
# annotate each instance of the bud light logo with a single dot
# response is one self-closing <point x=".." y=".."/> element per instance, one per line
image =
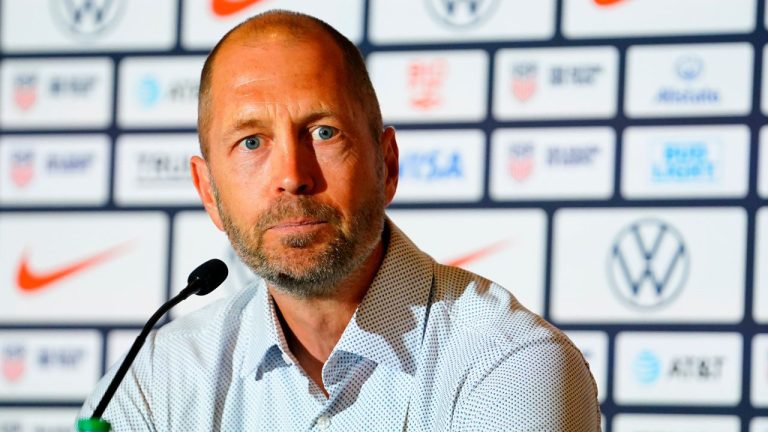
<point x="647" y="367"/>
<point x="461" y="13"/>
<point x="685" y="162"/>
<point x="648" y="263"/>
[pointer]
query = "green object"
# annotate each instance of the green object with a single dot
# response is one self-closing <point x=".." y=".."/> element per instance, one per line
<point x="93" y="425"/>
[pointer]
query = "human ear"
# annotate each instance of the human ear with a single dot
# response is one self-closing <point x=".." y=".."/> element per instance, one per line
<point x="201" y="177"/>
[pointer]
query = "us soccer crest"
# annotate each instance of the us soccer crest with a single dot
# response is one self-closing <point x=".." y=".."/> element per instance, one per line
<point x="13" y="362"/>
<point x="25" y="91"/>
<point x="524" y="81"/>
<point x="520" y="161"/>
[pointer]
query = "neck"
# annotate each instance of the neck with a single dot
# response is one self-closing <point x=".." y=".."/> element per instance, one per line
<point x="313" y="326"/>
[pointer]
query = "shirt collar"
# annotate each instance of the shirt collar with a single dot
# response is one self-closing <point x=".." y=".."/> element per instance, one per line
<point x="263" y="329"/>
<point x="387" y="327"/>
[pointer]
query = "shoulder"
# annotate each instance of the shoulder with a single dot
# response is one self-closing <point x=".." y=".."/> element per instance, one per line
<point x="524" y="374"/>
<point x="478" y="305"/>
<point x="200" y="337"/>
<point x="215" y="316"/>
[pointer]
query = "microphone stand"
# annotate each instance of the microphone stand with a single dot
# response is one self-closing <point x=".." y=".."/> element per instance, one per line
<point x="198" y="285"/>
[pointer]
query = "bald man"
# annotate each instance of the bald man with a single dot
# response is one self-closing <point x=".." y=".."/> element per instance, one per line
<point x="350" y="326"/>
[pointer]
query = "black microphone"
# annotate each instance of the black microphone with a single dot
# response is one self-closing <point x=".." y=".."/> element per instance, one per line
<point x="204" y="279"/>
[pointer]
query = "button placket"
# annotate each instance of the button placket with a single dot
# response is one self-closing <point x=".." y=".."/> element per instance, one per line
<point x="323" y="422"/>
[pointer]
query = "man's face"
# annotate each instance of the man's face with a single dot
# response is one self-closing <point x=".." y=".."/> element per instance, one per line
<point x="293" y="174"/>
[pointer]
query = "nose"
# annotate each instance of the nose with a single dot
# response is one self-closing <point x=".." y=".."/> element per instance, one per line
<point x="295" y="168"/>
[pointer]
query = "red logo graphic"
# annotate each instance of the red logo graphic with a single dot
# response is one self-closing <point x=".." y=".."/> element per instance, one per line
<point x="425" y="80"/>
<point x="22" y="168"/>
<point x="520" y="161"/>
<point x="607" y="2"/>
<point x="31" y="281"/>
<point x="225" y="8"/>
<point x="13" y="362"/>
<point x="524" y="77"/>
<point x="25" y="91"/>
<point x="476" y="254"/>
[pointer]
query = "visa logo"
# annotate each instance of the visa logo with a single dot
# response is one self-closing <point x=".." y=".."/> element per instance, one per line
<point x="431" y="165"/>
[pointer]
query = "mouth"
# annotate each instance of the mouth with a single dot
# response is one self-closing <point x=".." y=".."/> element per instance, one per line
<point x="296" y="225"/>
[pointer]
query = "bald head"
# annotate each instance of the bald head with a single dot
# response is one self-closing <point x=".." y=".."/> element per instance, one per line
<point x="296" y="27"/>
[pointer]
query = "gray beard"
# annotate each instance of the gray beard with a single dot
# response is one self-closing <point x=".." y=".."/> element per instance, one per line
<point x="320" y="278"/>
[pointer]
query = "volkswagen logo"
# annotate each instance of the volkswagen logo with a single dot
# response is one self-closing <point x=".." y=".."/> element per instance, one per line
<point x="86" y="18"/>
<point x="648" y="263"/>
<point x="461" y="13"/>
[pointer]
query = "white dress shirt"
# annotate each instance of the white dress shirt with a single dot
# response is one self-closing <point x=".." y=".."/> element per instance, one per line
<point x="430" y="348"/>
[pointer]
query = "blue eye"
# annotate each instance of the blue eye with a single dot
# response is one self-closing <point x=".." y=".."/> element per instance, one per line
<point x="324" y="133"/>
<point x="251" y="143"/>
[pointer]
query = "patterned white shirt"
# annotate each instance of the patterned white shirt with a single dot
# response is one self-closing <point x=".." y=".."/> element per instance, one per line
<point x="430" y="348"/>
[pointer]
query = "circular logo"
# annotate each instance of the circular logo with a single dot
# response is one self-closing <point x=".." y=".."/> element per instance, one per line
<point x="689" y="68"/>
<point x="647" y="367"/>
<point x="148" y="91"/>
<point x="648" y="263"/>
<point x="86" y="18"/>
<point x="461" y="13"/>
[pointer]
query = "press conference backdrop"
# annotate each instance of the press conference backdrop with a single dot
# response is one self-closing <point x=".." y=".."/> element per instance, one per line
<point x="602" y="159"/>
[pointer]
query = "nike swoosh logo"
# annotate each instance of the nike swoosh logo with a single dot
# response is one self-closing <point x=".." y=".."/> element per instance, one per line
<point x="29" y="280"/>
<point x="229" y="7"/>
<point x="476" y="254"/>
<point x="607" y="2"/>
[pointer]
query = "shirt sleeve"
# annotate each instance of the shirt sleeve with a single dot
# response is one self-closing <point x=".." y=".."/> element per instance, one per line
<point x="129" y="409"/>
<point x="543" y="386"/>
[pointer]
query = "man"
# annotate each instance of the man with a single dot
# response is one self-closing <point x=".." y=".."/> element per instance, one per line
<point x="352" y="327"/>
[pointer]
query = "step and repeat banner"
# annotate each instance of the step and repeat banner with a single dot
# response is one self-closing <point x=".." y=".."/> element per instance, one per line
<point x="602" y="159"/>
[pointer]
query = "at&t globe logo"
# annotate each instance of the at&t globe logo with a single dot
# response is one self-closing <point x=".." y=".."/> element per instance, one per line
<point x="647" y="367"/>
<point x="461" y="13"/>
<point x="648" y="263"/>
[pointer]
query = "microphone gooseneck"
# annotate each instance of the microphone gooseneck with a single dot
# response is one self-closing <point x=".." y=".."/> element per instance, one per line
<point x="204" y="279"/>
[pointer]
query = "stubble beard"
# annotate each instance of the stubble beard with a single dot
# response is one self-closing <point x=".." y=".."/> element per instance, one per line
<point x="318" y="274"/>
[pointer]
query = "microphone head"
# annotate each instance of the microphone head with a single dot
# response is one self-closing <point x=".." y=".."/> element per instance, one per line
<point x="209" y="274"/>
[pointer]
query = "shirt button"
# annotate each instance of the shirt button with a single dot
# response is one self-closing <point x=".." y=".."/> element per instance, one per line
<point x="323" y="422"/>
